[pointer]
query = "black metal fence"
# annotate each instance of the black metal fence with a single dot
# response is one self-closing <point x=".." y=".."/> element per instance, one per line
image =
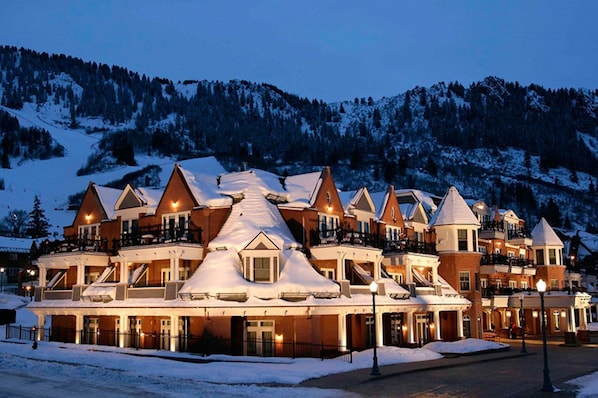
<point x="204" y="345"/>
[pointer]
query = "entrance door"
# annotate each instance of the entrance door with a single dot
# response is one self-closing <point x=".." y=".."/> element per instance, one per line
<point x="421" y="328"/>
<point x="260" y="338"/>
<point x="164" y="334"/>
<point x="92" y="326"/>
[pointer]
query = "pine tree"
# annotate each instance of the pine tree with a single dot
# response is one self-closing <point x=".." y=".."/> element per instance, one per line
<point x="38" y="224"/>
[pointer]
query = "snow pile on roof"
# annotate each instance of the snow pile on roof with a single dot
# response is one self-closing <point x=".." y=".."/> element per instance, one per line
<point x="544" y="235"/>
<point x="252" y="215"/>
<point x="204" y="188"/>
<point x="9" y="244"/>
<point x="151" y="197"/>
<point x="108" y="198"/>
<point x="426" y="199"/>
<point x="453" y="210"/>
<point x="12" y="302"/>
<point x="221" y="274"/>
<point x="302" y="189"/>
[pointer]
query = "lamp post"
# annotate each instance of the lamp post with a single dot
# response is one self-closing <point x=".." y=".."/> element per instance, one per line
<point x="31" y="275"/>
<point x="2" y="279"/>
<point x="547" y="386"/>
<point x="522" y="323"/>
<point x="374" y="291"/>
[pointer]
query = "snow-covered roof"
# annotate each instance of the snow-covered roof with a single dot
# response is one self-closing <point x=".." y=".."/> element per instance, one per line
<point x="380" y="200"/>
<point x="204" y="188"/>
<point x="302" y="189"/>
<point x="544" y="235"/>
<point x="425" y="198"/>
<point x="252" y="215"/>
<point x="108" y="198"/>
<point x="453" y="210"/>
<point x="150" y="196"/>
<point x="15" y="245"/>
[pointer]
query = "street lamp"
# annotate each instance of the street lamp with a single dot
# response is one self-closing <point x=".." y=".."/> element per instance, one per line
<point x="31" y="275"/>
<point x="547" y="386"/>
<point x="2" y="279"/>
<point x="522" y="323"/>
<point x="374" y="290"/>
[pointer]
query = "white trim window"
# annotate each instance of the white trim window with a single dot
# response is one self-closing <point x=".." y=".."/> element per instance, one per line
<point x="174" y="225"/>
<point x="464" y="280"/>
<point x="328" y="224"/>
<point x="89" y="231"/>
<point x="393" y="234"/>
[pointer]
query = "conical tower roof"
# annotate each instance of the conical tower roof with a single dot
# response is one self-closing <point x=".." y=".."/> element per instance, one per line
<point x="453" y="210"/>
<point x="544" y="235"/>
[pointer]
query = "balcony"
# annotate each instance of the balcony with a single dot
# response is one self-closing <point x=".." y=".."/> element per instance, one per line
<point x="75" y="244"/>
<point x="158" y="234"/>
<point x="349" y="237"/>
<point x="492" y="230"/>
<point x="499" y="259"/>
<point x="520" y="236"/>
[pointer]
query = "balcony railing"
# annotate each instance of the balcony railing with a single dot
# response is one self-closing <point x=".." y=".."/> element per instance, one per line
<point x="500" y="259"/>
<point x="520" y="233"/>
<point x="159" y="234"/>
<point x="492" y="226"/>
<point x="74" y="243"/>
<point x="347" y="236"/>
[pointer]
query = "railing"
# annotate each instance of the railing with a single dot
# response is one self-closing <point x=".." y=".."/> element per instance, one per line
<point x="71" y="244"/>
<point x="339" y="236"/>
<point x="159" y="234"/>
<point x="518" y="233"/>
<point x="204" y="345"/>
<point x="500" y="259"/>
<point x="492" y="226"/>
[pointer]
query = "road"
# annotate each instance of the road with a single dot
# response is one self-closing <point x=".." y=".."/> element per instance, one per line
<point x="512" y="375"/>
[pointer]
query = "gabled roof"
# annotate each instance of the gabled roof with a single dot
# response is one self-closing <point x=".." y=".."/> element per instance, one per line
<point x="359" y="199"/>
<point x="203" y="187"/>
<point x="107" y="197"/>
<point x="428" y="200"/>
<point x="544" y="235"/>
<point x="302" y="189"/>
<point x="252" y="215"/>
<point x="453" y="210"/>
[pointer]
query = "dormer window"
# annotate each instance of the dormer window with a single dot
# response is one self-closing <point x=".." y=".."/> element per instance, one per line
<point x="260" y="260"/>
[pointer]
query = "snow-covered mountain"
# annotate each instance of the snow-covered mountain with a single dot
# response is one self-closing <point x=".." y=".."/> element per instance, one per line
<point x="529" y="149"/>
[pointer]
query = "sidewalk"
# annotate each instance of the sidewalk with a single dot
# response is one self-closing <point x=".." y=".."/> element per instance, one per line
<point x="360" y="376"/>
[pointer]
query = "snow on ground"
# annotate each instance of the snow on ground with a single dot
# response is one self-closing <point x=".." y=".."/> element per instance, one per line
<point x="100" y="366"/>
<point x="233" y="376"/>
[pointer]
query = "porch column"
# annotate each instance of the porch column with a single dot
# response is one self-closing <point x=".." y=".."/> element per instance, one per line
<point x="340" y="267"/>
<point x="174" y="265"/>
<point x="43" y="275"/>
<point x="342" y="330"/>
<point x="80" y="274"/>
<point x="518" y="317"/>
<point x="460" y="324"/>
<point x="410" y="334"/>
<point x="78" y="328"/>
<point x="41" y="323"/>
<point x="174" y="333"/>
<point x="124" y="271"/>
<point x="437" y="336"/>
<point x="379" y="329"/>
<point x="583" y="320"/>
<point x="123" y="330"/>
<point x="571" y="316"/>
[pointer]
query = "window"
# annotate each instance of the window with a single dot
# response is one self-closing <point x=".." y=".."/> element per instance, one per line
<point x="523" y="285"/>
<point x="551" y="256"/>
<point x="498" y="284"/>
<point x="91" y="231"/>
<point x="363" y="227"/>
<point x="462" y="237"/>
<point x="328" y="273"/>
<point x="513" y="284"/>
<point x="554" y="284"/>
<point x="474" y="241"/>
<point x="464" y="283"/>
<point x="393" y="233"/>
<point x="328" y="224"/>
<point x="540" y="257"/>
<point x="484" y="283"/>
<point x="261" y="269"/>
<point x="398" y="277"/>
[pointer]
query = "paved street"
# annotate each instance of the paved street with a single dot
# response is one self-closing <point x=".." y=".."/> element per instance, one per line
<point x="503" y="374"/>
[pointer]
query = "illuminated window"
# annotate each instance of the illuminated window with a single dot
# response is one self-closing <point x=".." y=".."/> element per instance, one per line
<point x="464" y="280"/>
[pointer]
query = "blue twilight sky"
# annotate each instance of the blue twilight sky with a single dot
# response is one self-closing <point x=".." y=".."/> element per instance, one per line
<point x="325" y="49"/>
